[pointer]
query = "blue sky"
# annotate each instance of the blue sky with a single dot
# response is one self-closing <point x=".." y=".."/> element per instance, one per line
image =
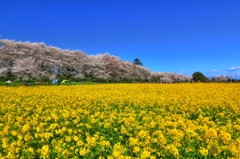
<point x="166" y="35"/>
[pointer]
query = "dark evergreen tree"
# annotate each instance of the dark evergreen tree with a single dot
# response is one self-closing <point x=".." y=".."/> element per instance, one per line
<point x="137" y="61"/>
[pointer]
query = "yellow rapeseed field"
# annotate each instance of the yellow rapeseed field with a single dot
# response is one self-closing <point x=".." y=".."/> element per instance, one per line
<point x="120" y="121"/>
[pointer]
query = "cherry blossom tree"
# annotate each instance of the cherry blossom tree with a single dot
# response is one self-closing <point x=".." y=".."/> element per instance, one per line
<point x="222" y="79"/>
<point x="36" y="61"/>
<point x="168" y="77"/>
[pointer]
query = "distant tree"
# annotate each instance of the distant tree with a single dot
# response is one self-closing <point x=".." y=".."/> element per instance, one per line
<point x="213" y="79"/>
<point x="168" y="77"/>
<point x="137" y="61"/>
<point x="222" y="79"/>
<point x="228" y="79"/>
<point x="198" y="76"/>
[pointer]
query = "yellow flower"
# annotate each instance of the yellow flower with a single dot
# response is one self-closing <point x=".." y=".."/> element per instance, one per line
<point x="64" y="129"/>
<point x="75" y="138"/>
<point x="133" y="141"/>
<point x="145" y="154"/>
<point x="136" y="149"/>
<point x="25" y="128"/>
<point x="27" y="137"/>
<point x="48" y="135"/>
<point x="5" y="142"/>
<point x="83" y="151"/>
<point x="118" y="150"/>
<point x="14" y="133"/>
<point x="70" y="131"/>
<point x="80" y="143"/>
<point x="20" y="137"/>
<point x="107" y="125"/>
<point x="55" y="117"/>
<point x="45" y="150"/>
<point x="116" y="153"/>
<point x="31" y="150"/>
<point x="203" y="151"/>
<point x="68" y="139"/>
<point x="190" y="133"/>
<point x="158" y="119"/>
<point x="172" y="150"/>
<point x="225" y="137"/>
<point x="105" y="144"/>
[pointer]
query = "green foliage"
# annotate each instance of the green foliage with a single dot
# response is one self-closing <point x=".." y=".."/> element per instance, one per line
<point x="198" y="76"/>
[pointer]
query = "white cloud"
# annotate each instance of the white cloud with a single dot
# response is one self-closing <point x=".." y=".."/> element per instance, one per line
<point x="234" y="68"/>
<point x="215" y="71"/>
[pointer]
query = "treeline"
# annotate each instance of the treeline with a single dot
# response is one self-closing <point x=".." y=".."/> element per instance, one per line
<point x="25" y="61"/>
